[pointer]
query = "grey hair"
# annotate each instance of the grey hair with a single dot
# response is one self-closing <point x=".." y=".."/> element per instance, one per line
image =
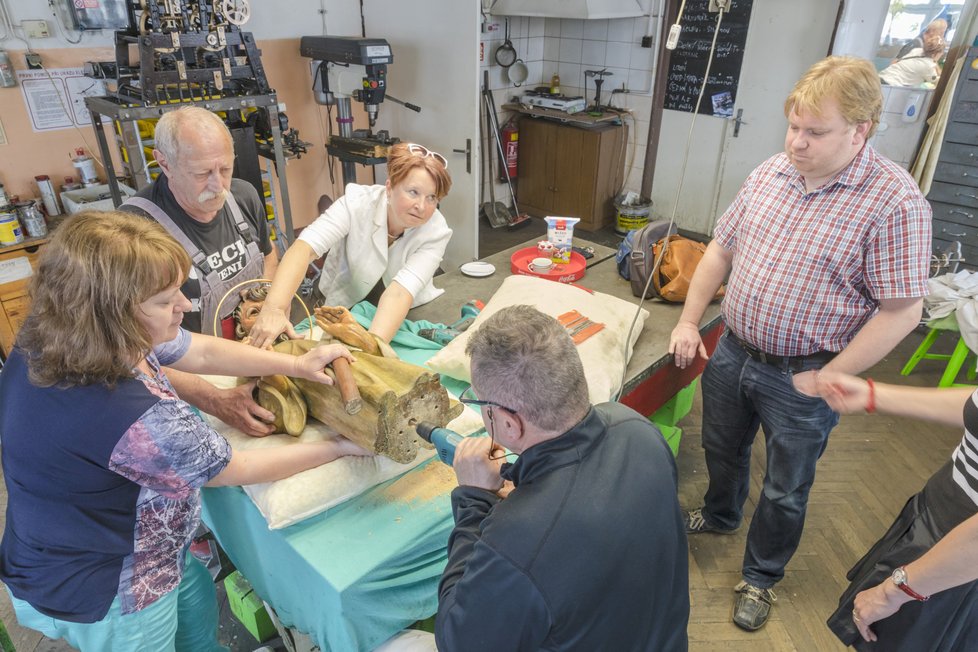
<point x="169" y="127"/>
<point x="525" y="361"/>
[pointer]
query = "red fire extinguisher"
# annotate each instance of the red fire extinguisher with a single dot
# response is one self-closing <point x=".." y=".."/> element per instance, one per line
<point x="511" y="142"/>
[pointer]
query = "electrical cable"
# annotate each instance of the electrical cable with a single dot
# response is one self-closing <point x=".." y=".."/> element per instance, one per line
<point x="675" y="205"/>
<point x="59" y="19"/>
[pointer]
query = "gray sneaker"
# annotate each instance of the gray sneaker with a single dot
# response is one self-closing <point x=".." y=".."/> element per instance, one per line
<point x="695" y="523"/>
<point x="753" y="606"/>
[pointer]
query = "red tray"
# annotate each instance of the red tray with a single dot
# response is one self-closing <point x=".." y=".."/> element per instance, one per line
<point x="561" y="272"/>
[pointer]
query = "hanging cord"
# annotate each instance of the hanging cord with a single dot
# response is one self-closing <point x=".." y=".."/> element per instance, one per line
<point x="675" y="205"/>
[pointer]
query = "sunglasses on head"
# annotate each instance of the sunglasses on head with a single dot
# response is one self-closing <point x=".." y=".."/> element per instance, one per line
<point x="422" y="151"/>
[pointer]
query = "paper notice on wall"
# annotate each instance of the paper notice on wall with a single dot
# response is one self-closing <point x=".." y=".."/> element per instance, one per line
<point x="55" y="97"/>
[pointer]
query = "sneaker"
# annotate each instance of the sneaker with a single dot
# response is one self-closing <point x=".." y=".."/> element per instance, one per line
<point x="753" y="606"/>
<point x="695" y="523"/>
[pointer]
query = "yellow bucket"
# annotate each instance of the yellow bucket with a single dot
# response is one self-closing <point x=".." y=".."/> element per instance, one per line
<point x="10" y="231"/>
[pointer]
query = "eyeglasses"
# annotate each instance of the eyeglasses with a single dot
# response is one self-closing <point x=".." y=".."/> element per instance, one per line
<point x="468" y="398"/>
<point x="422" y="151"/>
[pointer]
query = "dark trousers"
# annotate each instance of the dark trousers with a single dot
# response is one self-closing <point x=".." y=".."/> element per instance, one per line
<point x="739" y="395"/>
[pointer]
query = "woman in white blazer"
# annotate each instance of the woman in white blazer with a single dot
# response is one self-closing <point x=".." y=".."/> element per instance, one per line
<point x="382" y="240"/>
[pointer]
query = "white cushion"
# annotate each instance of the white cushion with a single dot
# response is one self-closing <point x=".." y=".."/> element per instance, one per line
<point x="604" y="355"/>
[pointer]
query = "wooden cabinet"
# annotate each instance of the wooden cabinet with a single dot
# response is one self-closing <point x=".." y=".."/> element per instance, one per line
<point x="571" y="171"/>
<point x="13" y="294"/>
<point x="953" y="194"/>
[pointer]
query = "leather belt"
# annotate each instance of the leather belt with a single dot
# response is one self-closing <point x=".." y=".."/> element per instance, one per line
<point x="788" y="362"/>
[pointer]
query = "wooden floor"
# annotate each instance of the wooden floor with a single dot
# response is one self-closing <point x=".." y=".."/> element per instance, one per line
<point x="871" y="466"/>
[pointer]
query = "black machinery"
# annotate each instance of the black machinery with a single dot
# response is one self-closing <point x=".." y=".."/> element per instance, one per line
<point x="346" y="68"/>
<point x="178" y="52"/>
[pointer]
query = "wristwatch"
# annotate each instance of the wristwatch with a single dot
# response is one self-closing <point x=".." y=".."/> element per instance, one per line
<point x="899" y="578"/>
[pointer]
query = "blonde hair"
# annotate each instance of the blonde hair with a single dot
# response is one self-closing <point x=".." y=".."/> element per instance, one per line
<point x="400" y="163"/>
<point x="851" y="82"/>
<point x="98" y="267"/>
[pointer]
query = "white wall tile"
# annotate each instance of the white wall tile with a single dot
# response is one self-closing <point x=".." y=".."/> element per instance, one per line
<point x="596" y="30"/>
<point x="570" y="75"/>
<point x="640" y="28"/>
<point x="617" y="55"/>
<point x="551" y="48"/>
<point x="534" y="49"/>
<point x="615" y="79"/>
<point x="593" y="53"/>
<point x="640" y="81"/>
<point x="535" y="75"/>
<point x="620" y="29"/>
<point x="570" y="50"/>
<point x="537" y="26"/>
<point x="551" y="27"/>
<point x="571" y="28"/>
<point x="640" y="58"/>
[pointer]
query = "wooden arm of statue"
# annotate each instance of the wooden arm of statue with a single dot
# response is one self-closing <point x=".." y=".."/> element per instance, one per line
<point x="395" y="395"/>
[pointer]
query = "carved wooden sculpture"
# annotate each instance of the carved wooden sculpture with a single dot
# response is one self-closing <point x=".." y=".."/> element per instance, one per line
<point x="395" y="396"/>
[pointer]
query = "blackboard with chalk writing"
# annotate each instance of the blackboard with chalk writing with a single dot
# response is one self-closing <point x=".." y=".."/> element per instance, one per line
<point x="687" y="63"/>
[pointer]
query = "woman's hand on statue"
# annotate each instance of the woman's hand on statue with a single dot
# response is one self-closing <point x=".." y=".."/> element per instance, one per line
<point x="271" y="323"/>
<point x="311" y="365"/>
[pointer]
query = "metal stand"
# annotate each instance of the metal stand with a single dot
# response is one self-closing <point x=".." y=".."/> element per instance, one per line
<point x="124" y="117"/>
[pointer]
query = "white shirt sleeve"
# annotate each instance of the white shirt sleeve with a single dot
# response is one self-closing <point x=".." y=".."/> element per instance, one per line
<point x="329" y="228"/>
<point x="422" y="261"/>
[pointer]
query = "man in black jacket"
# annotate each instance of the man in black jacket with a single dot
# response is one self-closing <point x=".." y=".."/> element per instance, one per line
<point x="579" y="544"/>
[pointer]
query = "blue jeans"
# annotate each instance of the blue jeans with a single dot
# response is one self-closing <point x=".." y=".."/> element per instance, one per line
<point x="740" y="394"/>
<point x="183" y="620"/>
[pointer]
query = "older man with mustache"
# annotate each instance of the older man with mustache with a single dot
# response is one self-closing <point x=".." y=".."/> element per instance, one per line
<point x="221" y="223"/>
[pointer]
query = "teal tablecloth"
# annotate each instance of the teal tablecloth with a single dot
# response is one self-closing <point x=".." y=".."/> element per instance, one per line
<point x="353" y="577"/>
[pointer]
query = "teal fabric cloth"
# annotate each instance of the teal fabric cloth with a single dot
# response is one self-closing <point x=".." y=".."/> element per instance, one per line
<point x="183" y="620"/>
<point x="356" y="575"/>
<point x="406" y="337"/>
<point x="350" y="578"/>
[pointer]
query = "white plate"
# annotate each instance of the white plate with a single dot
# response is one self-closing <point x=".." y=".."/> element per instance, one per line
<point x="477" y="269"/>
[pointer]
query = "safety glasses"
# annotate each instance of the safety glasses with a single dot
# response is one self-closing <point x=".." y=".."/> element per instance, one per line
<point x="422" y="151"/>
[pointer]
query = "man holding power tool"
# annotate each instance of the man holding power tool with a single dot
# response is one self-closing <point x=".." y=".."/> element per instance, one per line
<point x="587" y="550"/>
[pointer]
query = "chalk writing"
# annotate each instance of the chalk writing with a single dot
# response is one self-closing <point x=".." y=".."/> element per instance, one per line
<point x="687" y="63"/>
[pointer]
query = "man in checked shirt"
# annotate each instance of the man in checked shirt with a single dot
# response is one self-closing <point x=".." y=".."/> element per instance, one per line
<point x="827" y="248"/>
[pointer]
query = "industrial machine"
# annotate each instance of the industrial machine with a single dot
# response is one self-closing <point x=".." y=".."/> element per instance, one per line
<point x="173" y="53"/>
<point x="351" y="68"/>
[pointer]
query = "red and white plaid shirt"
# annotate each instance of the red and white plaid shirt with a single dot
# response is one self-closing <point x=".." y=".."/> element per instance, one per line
<point x="809" y="269"/>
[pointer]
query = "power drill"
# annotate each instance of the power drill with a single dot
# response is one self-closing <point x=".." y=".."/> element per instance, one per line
<point x="470" y="310"/>
<point x="443" y="439"/>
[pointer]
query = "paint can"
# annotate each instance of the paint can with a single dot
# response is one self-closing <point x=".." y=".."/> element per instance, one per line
<point x="85" y="166"/>
<point x="31" y="219"/>
<point x="10" y="233"/>
<point x="631" y="215"/>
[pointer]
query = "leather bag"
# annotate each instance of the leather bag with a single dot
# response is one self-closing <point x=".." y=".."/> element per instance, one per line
<point x="672" y="276"/>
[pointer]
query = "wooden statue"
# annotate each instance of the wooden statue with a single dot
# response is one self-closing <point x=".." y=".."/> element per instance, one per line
<point x="395" y="395"/>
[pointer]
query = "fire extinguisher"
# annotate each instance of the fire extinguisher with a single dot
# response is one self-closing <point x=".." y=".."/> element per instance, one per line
<point x="511" y="142"/>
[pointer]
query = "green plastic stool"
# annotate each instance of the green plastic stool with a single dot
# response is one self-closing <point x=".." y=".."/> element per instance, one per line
<point x="955" y="360"/>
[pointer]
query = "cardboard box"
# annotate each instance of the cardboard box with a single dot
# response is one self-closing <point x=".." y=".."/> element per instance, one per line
<point x="96" y="198"/>
<point x="248" y="608"/>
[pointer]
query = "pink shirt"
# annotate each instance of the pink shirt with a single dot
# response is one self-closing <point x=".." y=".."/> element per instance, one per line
<point x="809" y="269"/>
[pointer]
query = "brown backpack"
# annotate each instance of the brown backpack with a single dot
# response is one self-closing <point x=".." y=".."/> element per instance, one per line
<point x="670" y="280"/>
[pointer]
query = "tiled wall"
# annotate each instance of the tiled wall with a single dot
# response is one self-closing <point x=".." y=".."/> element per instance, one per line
<point x="568" y="47"/>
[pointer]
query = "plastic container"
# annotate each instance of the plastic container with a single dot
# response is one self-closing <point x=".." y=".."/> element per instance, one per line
<point x="46" y="189"/>
<point x="97" y="198"/>
<point x="632" y="215"/>
<point x="10" y="231"/>
<point x="31" y="219"/>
